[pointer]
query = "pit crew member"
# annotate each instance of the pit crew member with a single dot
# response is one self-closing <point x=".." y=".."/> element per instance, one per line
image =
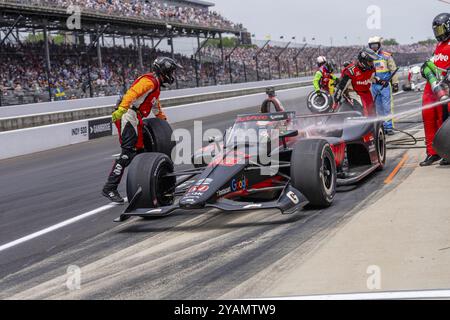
<point x="324" y="78"/>
<point x="359" y="75"/>
<point x="385" y="66"/>
<point x="433" y="70"/>
<point x="137" y="104"/>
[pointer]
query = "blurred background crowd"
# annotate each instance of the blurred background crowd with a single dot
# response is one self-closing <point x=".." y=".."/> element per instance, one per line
<point x="72" y="75"/>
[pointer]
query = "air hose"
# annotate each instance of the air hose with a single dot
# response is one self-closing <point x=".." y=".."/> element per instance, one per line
<point x="410" y="142"/>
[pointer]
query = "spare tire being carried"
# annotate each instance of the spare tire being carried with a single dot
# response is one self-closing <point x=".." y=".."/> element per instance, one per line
<point x="320" y="102"/>
<point x="158" y="136"/>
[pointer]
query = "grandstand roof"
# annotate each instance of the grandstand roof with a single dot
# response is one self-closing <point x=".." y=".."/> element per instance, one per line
<point x="199" y="2"/>
<point x="34" y="17"/>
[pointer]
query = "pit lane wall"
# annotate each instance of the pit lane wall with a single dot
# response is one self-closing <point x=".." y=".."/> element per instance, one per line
<point x="25" y="141"/>
<point x="93" y="108"/>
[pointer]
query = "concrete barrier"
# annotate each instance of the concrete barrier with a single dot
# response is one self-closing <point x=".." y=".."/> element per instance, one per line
<point x="42" y="119"/>
<point x="26" y="141"/>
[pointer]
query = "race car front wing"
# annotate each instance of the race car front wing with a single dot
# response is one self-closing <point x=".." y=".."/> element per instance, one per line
<point x="288" y="203"/>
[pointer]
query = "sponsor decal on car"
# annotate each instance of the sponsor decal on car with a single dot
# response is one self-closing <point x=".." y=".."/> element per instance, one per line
<point x="206" y="181"/>
<point x="253" y="118"/>
<point x="368" y="138"/>
<point x="280" y="116"/>
<point x="196" y="194"/>
<point x="229" y="161"/>
<point x="199" y="189"/>
<point x="223" y="192"/>
<point x="239" y="184"/>
<point x="293" y="197"/>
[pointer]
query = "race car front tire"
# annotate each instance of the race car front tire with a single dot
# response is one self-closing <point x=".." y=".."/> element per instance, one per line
<point x="148" y="171"/>
<point x="381" y="147"/>
<point x="313" y="171"/>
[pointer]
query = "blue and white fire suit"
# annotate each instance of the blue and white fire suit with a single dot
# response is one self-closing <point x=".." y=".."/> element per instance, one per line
<point x="385" y="66"/>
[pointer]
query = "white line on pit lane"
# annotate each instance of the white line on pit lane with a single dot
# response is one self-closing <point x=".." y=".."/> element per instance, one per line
<point x="394" y="295"/>
<point x="408" y="103"/>
<point x="56" y="227"/>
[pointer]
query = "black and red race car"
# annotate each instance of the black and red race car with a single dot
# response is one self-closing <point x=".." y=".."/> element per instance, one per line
<point x="265" y="161"/>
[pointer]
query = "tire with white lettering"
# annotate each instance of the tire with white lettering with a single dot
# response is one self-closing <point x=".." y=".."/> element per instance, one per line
<point x="313" y="171"/>
<point x="149" y="171"/>
<point x="320" y="102"/>
<point x="158" y="136"/>
<point x="381" y="147"/>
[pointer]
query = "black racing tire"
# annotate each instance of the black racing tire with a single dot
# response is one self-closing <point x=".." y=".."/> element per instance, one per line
<point x="381" y="146"/>
<point x="147" y="171"/>
<point x="158" y="136"/>
<point x="313" y="171"/>
<point x="441" y="142"/>
<point x="407" y="87"/>
<point x="320" y="105"/>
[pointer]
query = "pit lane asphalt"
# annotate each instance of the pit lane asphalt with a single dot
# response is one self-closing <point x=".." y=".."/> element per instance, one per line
<point x="187" y="255"/>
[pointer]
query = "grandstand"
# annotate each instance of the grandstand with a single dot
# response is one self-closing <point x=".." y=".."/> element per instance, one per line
<point x="117" y="40"/>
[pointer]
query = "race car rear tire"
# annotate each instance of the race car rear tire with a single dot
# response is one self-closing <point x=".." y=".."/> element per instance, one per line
<point x="381" y="147"/>
<point x="441" y="142"/>
<point x="314" y="106"/>
<point x="147" y="171"/>
<point x="313" y="171"/>
<point x="158" y="136"/>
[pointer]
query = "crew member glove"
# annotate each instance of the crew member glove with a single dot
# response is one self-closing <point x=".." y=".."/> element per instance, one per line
<point x="118" y="114"/>
<point x="395" y="88"/>
<point x="380" y="82"/>
<point x="161" y="115"/>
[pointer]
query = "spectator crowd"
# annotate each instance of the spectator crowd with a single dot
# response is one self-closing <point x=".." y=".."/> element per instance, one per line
<point x="25" y="78"/>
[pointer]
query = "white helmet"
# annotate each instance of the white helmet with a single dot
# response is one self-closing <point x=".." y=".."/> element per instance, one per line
<point x="375" y="43"/>
<point x="321" y="60"/>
